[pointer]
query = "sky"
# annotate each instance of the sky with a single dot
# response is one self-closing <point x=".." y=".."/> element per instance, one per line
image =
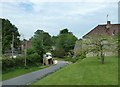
<point x="79" y="16"/>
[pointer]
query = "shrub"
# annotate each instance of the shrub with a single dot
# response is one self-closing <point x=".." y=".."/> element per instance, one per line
<point x="34" y="59"/>
<point x="30" y="51"/>
<point x="10" y="63"/>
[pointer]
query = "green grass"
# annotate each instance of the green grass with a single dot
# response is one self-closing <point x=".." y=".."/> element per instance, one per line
<point x="89" y="71"/>
<point x="20" y="71"/>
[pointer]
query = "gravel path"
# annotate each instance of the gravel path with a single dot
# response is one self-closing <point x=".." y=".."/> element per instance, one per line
<point x="26" y="79"/>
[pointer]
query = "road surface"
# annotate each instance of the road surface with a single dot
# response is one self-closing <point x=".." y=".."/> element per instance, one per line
<point x="26" y="79"/>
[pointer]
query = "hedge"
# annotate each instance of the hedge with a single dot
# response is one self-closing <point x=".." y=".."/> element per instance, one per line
<point x="10" y="63"/>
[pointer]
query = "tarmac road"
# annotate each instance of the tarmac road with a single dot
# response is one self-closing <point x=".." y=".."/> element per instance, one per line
<point x="27" y="79"/>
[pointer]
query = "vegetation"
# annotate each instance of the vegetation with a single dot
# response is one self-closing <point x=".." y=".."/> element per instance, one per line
<point x="41" y="42"/>
<point x="8" y="31"/>
<point x="65" y="43"/>
<point x="96" y="44"/>
<point x="60" y="45"/>
<point x="86" y="72"/>
<point x="9" y="64"/>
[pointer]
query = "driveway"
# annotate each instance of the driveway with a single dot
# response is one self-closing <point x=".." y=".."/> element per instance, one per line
<point x="26" y="79"/>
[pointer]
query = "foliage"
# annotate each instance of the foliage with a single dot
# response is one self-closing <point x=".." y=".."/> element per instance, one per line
<point x="42" y="42"/>
<point x="11" y="63"/>
<point x="64" y="31"/>
<point x="97" y="44"/>
<point x="100" y="44"/>
<point x="33" y="59"/>
<point x="8" y="30"/>
<point x="65" y="40"/>
<point x="30" y="51"/>
<point x="54" y="40"/>
<point x="37" y="42"/>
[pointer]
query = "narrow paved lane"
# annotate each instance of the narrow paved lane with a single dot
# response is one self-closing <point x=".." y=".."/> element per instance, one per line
<point x="33" y="76"/>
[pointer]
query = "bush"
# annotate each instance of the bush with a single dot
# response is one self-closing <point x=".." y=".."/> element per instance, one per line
<point x="10" y="63"/>
<point x="34" y="59"/>
<point x="30" y="51"/>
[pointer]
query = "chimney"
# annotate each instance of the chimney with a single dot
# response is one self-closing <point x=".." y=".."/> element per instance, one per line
<point x="108" y="22"/>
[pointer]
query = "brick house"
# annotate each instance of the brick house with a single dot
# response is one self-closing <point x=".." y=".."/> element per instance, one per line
<point x="107" y="29"/>
<point x="26" y="44"/>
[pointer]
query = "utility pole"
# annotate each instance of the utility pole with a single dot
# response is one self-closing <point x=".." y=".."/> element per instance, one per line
<point x="25" y="52"/>
<point x="42" y="48"/>
<point x="24" y="49"/>
<point x="12" y="45"/>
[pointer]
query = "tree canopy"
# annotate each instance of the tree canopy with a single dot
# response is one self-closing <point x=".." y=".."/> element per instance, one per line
<point x="8" y="30"/>
<point x="65" y="41"/>
<point x="42" y="42"/>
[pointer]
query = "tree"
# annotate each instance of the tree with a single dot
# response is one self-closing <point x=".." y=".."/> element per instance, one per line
<point x="47" y="41"/>
<point x="0" y="37"/>
<point x="100" y="44"/>
<point x="42" y="42"/>
<point x="64" y="31"/>
<point x="8" y="30"/>
<point x="54" y="40"/>
<point x="66" y="40"/>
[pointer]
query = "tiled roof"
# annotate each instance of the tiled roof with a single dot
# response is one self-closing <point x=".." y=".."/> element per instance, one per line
<point x="109" y="29"/>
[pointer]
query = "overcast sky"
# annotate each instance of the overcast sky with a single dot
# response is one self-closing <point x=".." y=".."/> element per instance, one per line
<point x="79" y="16"/>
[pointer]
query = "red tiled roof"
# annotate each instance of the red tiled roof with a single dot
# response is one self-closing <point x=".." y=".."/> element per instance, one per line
<point x="103" y="29"/>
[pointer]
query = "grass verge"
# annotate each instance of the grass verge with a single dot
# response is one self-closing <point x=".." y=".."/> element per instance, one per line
<point x="89" y="71"/>
<point x="20" y="71"/>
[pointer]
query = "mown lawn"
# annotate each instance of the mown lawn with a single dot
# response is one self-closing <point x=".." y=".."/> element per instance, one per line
<point x="20" y="71"/>
<point x="89" y="71"/>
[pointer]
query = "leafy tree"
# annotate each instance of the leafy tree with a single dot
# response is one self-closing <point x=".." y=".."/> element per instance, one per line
<point x="97" y="44"/>
<point x="42" y="42"/>
<point x="54" y="40"/>
<point x="66" y="40"/>
<point x="8" y="30"/>
<point x="0" y="37"/>
<point x="30" y="51"/>
<point x="64" y="31"/>
<point x="37" y="42"/>
<point x="47" y="41"/>
<point x="100" y="44"/>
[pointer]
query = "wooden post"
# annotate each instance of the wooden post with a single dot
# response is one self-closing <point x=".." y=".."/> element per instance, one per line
<point x="25" y="52"/>
<point x="12" y="45"/>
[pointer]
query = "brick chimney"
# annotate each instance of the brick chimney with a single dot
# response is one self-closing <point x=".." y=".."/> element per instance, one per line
<point x="108" y="22"/>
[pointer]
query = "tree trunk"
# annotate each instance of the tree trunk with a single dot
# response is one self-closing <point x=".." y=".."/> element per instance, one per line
<point x="98" y="55"/>
<point x="102" y="57"/>
<point x="101" y="54"/>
